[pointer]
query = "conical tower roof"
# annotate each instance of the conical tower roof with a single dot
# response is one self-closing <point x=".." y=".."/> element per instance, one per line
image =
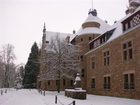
<point x="93" y="24"/>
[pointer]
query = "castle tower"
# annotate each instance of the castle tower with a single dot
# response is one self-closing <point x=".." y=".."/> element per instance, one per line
<point x="91" y="23"/>
<point x="133" y="5"/>
<point x="90" y="29"/>
<point x="41" y="81"/>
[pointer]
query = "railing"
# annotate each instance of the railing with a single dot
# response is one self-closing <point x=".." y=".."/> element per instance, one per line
<point x="57" y="100"/>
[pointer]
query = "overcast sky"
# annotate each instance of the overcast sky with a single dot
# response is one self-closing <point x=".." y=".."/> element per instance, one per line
<point x="21" y="21"/>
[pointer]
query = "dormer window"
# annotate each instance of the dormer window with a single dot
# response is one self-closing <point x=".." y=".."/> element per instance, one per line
<point x="136" y="20"/>
<point x="131" y="21"/>
<point x="102" y="39"/>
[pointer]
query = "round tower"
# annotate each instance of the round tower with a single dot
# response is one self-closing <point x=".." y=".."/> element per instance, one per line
<point x="90" y="22"/>
<point x="90" y="29"/>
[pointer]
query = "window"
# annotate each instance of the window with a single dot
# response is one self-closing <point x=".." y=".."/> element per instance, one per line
<point x="93" y="62"/>
<point x="93" y="65"/>
<point x="83" y="73"/>
<point x="57" y="82"/>
<point x="129" y="81"/>
<point x="126" y="26"/>
<point x="81" y="39"/>
<point x="64" y="82"/>
<point x="126" y="86"/>
<point x="89" y="38"/>
<point x="106" y="58"/>
<point x="93" y="83"/>
<point x="107" y="82"/>
<point x="98" y="42"/>
<point x="48" y="83"/>
<point x="81" y="58"/>
<point x="136" y="20"/>
<point x="127" y="51"/>
<point x="71" y="82"/>
<point x="131" y="23"/>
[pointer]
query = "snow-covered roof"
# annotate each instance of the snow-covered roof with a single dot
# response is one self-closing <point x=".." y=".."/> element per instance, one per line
<point x="118" y="32"/>
<point x="49" y="49"/>
<point x="118" y="25"/>
<point x="92" y="30"/>
<point x="51" y="34"/>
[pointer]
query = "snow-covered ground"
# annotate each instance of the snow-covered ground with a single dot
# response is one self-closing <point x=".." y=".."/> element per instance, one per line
<point x="32" y="97"/>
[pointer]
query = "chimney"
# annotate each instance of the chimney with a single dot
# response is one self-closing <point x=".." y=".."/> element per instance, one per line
<point x="74" y="31"/>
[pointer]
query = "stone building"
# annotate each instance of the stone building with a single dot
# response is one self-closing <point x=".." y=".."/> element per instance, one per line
<point x="110" y="55"/>
<point x="59" y="62"/>
<point x="90" y="29"/>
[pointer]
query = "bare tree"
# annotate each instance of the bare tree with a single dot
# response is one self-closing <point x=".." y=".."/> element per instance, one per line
<point x="2" y="75"/>
<point x="61" y="60"/>
<point x="8" y="57"/>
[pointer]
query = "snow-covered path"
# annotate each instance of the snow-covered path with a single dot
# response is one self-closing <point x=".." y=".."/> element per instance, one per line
<point x="27" y="97"/>
<point x="21" y="97"/>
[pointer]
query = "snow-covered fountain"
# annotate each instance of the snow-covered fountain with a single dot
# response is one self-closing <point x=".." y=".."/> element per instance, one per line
<point x="77" y="92"/>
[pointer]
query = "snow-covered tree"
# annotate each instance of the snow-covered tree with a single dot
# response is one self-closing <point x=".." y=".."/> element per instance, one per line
<point x="31" y="68"/>
<point x="2" y="76"/>
<point x="19" y="77"/>
<point x="8" y="66"/>
<point x="12" y="75"/>
<point x="61" y="60"/>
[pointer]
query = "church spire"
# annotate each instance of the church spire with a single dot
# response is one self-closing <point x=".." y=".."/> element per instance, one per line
<point x="44" y="37"/>
<point x="44" y="29"/>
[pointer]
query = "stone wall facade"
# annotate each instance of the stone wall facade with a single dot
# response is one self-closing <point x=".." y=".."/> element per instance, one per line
<point x="116" y="69"/>
<point x="82" y="42"/>
<point x="52" y="85"/>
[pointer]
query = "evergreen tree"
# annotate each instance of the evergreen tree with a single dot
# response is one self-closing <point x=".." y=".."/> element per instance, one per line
<point x="32" y="68"/>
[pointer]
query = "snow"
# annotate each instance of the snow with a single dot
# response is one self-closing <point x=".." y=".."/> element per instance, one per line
<point x="76" y="90"/>
<point x="32" y="97"/>
<point x="51" y="34"/>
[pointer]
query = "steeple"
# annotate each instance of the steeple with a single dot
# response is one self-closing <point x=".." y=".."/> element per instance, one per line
<point x="44" y="37"/>
<point x="44" y="29"/>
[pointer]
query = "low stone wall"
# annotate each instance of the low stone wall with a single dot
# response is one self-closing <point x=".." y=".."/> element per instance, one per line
<point x="76" y="94"/>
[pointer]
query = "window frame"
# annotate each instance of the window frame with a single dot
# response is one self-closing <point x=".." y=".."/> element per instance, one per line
<point x="107" y="82"/>
<point x="106" y="57"/>
<point x="93" y="83"/>
<point x="128" y="50"/>
<point x="93" y="62"/>
<point x="129" y="84"/>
